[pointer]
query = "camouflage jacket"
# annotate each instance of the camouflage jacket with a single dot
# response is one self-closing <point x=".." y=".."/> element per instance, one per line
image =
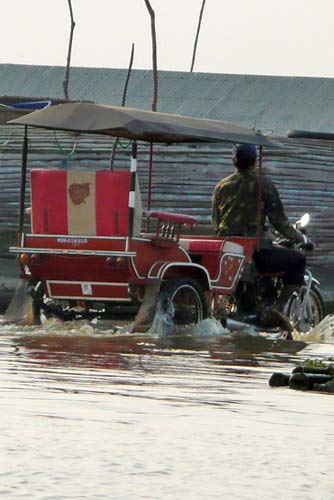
<point x="234" y="206"/>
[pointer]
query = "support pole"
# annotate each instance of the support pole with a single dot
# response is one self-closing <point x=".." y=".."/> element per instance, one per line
<point x="197" y="35"/>
<point x="154" y="101"/>
<point x="23" y="185"/>
<point x="259" y="203"/>
<point x="149" y="187"/>
<point x="132" y="193"/>
<point x="69" y="52"/>
<point x="116" y="141"/>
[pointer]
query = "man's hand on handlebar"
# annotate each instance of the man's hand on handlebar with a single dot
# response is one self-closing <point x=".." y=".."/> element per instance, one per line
<point x="303" y="242"/>
<point x="307" y="244"/>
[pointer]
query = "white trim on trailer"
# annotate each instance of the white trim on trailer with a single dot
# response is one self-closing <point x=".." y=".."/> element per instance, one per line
<point x="86" y="297"/>
<point x="163" y="269"/>
<point x="132" y="199"/>
<point x="140" y="277"/>
<point x="75" y="236"/>
<point x="70" y="251"/>
<point x="133" y="164"/>
<point x="241" y="257"/>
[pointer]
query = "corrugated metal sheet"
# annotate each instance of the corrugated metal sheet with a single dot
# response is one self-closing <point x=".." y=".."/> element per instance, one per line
<point x="270" y="102"/>
<point x="184" y="176"/>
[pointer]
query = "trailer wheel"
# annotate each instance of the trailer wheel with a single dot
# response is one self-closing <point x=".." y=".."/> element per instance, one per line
<point x="183" y="302"/>
<point x="304" y="317"/>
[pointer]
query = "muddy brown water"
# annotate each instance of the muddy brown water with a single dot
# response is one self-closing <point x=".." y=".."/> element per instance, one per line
<point x="92" y="412"/>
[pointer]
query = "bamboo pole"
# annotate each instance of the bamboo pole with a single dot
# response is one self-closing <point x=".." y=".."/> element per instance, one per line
<point x="197" y="35"/>
<point x="23" y="185"/>
<point x="154" y="102"/>
<point x="259" y="202"/>
<point x="113" y="154"/>
<point x="154" y="56"/>
<point x="69" y="53"/>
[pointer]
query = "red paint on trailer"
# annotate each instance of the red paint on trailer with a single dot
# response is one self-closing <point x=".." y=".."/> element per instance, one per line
<point x="112" y="203"/>
<point x="88" y="291"/>
<point x="75" y="242"/>
<point x="49" y="201"/>
<point x="103" y="266"/>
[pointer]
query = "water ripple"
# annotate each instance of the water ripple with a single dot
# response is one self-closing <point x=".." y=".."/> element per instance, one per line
<point x="91" y="411"/>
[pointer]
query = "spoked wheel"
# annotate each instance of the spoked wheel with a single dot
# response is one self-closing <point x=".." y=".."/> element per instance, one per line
<point x="183" y="303"/>
<point x="304" y="313"/>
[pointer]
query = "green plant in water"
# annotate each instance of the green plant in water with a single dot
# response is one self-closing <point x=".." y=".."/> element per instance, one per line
<point x="319" y="363"/>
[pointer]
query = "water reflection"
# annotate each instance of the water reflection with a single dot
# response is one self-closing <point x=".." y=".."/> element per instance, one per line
<point x="90" y="411"/>
<point x="115" y="351"/>
<point x="202" y="370"/>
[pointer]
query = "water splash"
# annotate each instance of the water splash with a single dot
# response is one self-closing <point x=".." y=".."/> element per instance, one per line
<point x="56" y="327"/>
<point x="163" y="321"/>
<point x="323" y="332"/>
<point x="209" y="327"/>
<point x="162" y="326"/>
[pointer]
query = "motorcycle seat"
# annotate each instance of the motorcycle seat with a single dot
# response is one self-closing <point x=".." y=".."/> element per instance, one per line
<point x="272" y="275"/>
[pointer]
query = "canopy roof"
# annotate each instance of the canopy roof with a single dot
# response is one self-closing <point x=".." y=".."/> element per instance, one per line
<point x="138" y="124"/>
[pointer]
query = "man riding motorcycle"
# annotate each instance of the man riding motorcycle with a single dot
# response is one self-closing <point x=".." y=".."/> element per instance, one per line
<point x="234" y="213"/>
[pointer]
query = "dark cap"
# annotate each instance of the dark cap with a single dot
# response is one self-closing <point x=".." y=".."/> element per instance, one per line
<point x="245" y="152"/>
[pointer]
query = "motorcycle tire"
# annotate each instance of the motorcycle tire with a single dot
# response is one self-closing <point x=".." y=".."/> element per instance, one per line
<point x="315" y="310"/>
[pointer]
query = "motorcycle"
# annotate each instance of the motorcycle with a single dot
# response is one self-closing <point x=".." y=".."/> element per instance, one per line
<point x="257" y="293"/>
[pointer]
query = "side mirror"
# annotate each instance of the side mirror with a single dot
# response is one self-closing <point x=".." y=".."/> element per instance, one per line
<point x="303" y="221"/>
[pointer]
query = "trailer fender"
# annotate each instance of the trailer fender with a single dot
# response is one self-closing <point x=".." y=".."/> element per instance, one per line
<point x="177" y="270"/>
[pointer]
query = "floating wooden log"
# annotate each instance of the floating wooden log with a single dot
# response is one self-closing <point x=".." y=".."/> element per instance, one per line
<point x="306" y="378"/>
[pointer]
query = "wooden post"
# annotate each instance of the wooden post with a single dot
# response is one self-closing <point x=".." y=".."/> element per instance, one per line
<point x="23" y="185"/>
<point x="259" y="203"/>
<point x="154" y="56"/>
<point x="67" y="72"/>
<point x="149" y="187"/>
<point x="154" y="102"/>
<point x="197" y="35"/>
<point x="114" y="149"/>
<point x="132" y="193"/>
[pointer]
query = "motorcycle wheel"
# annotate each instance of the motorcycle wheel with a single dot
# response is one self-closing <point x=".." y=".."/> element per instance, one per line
<point x="304" y="317"/>
<point x="183" y="302"/>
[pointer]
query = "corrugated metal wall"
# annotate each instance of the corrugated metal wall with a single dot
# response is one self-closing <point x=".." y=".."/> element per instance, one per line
<point x="184" y="178"/>
<point x="278" y="103"/>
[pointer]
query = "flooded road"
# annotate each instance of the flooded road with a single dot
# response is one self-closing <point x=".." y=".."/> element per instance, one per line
<point x="87" y="412"/>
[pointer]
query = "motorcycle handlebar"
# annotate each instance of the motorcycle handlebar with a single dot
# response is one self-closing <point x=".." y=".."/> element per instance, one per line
<point x="306" y="245"/>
